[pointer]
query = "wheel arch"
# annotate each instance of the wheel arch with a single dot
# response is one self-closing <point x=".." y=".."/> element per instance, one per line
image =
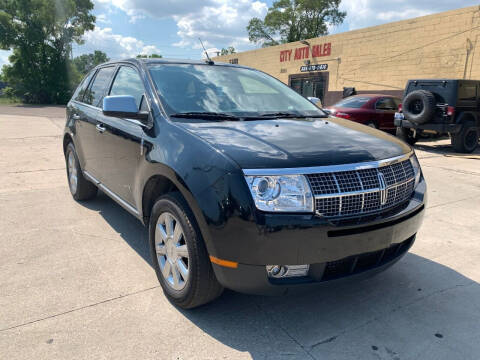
<point x="67" y="138"/>
<point x="373" y="121"/>
<point x="468" y="115"/>
<point x="156" y="186"/>
<point x="163" y="182"/>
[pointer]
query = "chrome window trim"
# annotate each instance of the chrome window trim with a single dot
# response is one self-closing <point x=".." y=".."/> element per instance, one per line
<point x="133" y="121"/>
<point x="327" y="169"/>
<point x="85" y="104"/>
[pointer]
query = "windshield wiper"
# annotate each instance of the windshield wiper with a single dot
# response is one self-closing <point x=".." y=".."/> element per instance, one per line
<point x="276" y="115"/>
<point x="205" y="115"/>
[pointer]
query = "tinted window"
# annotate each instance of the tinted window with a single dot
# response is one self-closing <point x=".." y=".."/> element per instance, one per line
<point x="237" y="91"/>
<point x="78" y="95"/>
<point x="467" y="93"/>
<point x="353" y="102"/>
<point x="96" y="90"/>
<point x="385" y="104"/>
<point x="128" y="82"/>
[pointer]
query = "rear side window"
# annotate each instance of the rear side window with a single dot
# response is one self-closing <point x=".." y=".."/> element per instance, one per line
<point x="78" y="95"/>
<point x="385" y="104"/>
<point x="96" y="90"/>
<point x="128" y="82"/>
<point x="353" y="102"/>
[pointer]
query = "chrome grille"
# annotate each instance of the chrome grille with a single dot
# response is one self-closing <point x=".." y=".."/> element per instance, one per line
<point x="363" y="191"/>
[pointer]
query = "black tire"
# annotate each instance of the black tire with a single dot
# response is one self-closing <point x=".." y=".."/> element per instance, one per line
<point x="202" y="285"/>
<point x="419" y="106"/>
<point x="466" y="141"/>
<point x="406" y="135"/>
<point x="84" y="189"/>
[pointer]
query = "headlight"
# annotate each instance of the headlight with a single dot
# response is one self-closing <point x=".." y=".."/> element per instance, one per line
<point x="416" y="168"/>
<point x="285" y="193"/>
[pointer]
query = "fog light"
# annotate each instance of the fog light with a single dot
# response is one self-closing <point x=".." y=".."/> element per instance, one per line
<point x="287" y="271"/>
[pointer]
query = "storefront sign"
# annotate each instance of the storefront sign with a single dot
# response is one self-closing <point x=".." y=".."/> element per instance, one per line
<point x="305" y="51"/>
<point x="317" y="67"/>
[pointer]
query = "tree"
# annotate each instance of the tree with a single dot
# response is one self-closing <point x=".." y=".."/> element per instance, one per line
<point x="295" y="20"/>
<point x="41" y="33"/>
<point x="151" y="56"/>
<point x="228" y="51"/>
<point x="86" y="62"/>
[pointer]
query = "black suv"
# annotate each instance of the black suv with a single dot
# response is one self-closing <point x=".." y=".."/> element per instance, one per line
<point x="243" y="183"/>
<point x="441" y="107"/>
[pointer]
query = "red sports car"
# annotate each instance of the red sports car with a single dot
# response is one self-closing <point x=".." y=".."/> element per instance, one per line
<point x="373" y="110"/>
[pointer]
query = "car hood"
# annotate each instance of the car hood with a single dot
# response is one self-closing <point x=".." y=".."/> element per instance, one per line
<point x="288" y="143"/>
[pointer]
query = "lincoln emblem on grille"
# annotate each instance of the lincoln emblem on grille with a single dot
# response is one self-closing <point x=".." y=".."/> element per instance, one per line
<point x="382" y="188"/>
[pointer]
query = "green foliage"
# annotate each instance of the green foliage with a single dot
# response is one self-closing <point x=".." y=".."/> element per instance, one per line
<point x="8" y="100"/>
<point x="86" y="62"/>
<point x="41" y="33"/>
<point x="295" y="20"/>
<point x="228" y="51"/>
<point x="152" y="56"/>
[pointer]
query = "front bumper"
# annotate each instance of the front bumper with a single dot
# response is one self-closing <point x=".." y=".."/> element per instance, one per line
<point x="252" y="279"/>
<point x="333" y="251"/>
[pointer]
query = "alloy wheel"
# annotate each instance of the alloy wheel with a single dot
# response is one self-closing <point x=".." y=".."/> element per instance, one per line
<point x="172" y="251"/>
<point x="72" y="172"/>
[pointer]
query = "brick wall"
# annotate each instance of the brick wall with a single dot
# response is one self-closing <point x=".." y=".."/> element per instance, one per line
<point x="384" y="57"/>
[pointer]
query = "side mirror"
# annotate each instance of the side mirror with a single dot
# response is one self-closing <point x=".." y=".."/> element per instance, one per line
<point x="314" y="100"/>
<point x="123" y="106"/>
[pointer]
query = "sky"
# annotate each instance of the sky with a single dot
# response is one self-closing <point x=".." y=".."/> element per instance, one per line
<point x="125" y="28"/>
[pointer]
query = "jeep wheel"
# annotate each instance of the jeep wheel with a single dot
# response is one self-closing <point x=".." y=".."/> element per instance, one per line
<point x="419" y="106"/>
<point x="406" y="135"/>
<point x="466" y="140"/>
<point x="80" y="188"/>
<point x="179" y="255"/>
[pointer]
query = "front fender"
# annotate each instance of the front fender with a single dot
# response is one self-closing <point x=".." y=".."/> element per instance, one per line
<point x="204" y="176"/>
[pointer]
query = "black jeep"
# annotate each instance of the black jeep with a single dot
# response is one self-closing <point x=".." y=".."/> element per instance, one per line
<point x="441" y="107"/>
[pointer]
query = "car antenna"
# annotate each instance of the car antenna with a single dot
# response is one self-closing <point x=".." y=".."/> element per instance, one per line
<point x="208" y="61"/>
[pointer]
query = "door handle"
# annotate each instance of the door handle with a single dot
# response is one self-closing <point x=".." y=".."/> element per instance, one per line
<point x="100" y="128"/>
<point x="76" y="117"/>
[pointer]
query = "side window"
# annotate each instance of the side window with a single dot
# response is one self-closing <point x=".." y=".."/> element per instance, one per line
<point x="467" y="93"/>
<point x="96" y="90"/>
<point x="128" y="82"/>
<point x="78" y="95"/>
<point x="385" y="104"/>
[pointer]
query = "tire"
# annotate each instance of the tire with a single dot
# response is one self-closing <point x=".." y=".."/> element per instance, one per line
<point x="406" y="135"/>
<point x="419" y="106"/>
<point x="197" y="285"/>
<point x="80" y="188"/>
<point x="466" y="141"/>
<point x="372" y="124"/>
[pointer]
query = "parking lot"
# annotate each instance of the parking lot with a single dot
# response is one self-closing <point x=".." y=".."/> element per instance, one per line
<point x="76" y="280"/>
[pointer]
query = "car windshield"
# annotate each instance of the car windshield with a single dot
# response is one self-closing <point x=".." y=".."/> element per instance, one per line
<point x="226" y="90"/>
<point x="353" y="102"/>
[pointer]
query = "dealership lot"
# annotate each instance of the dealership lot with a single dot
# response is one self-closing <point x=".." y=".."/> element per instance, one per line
<point x="76" y="281"/>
